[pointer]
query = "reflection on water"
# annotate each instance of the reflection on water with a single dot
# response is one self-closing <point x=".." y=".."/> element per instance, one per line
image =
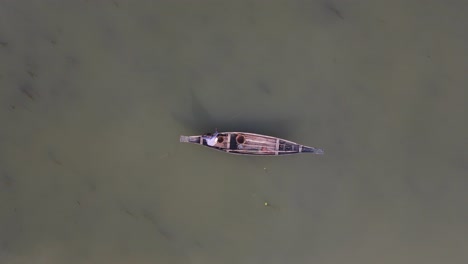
<point x="96" y="95"/>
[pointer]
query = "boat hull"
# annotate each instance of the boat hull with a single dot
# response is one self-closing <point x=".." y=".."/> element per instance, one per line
<point x="241" y="143"/>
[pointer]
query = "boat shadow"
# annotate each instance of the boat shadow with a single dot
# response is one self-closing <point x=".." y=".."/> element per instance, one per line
<point x="200" y="121"/>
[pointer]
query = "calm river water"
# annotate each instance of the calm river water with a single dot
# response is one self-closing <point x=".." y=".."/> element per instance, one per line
<point x="95" y="94"/>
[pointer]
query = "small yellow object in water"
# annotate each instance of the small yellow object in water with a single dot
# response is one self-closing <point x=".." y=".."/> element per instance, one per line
<point x="266" y="204"/>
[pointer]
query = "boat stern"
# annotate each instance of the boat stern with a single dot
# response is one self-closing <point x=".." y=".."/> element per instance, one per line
<point x="190" y="139"/>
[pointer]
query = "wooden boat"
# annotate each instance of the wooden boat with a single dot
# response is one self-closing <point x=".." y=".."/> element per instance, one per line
<point x="249" y="144"/>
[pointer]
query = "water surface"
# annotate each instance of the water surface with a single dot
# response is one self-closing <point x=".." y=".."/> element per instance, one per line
<point x="94" y="97"/>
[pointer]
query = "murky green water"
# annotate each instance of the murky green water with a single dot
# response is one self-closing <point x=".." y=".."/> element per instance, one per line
<point x="95" y="95"/>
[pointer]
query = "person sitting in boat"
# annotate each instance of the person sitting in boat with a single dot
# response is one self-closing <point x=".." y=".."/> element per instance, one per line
<point x="211" y="139"/>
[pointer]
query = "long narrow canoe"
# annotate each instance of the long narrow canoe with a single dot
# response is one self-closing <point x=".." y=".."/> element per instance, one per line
<point x="249" y="144"/>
